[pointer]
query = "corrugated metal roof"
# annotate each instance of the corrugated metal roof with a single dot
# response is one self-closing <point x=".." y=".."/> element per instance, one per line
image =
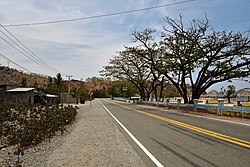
<point x="49" y="95"/>
<point x="20" y="90"/>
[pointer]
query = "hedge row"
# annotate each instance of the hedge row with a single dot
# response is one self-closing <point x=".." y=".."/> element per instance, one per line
<point x="26" y="125"/>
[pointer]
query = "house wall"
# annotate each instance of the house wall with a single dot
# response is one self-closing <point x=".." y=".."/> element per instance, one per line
<point x="19" y="97"/>
<point x="1" y="97"/>
<point x="3" y="89"/>
<point x="67" y="98"/>
<point x="53" y="100"/>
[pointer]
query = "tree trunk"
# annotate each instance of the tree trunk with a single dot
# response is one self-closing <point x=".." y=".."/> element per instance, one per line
<point x="185" y="98"/>
<point x="156" y="94"/>
<point x="184" y="95"/>
<point x="195" y="95"/>
<point x="148" y="96"/>
<point x="142" y="94"/>
<point x="161" y="87"/>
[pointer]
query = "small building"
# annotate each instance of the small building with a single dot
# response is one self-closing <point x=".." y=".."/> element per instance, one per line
<point x="3" y="89"/>
<point x="214" y="94"/>
<point x="21" y="95"/>
<point x="51" y="99"/>
<point x="242" y="95"/>
<point x="67" y="98"/>
<point x="27" y="95"/>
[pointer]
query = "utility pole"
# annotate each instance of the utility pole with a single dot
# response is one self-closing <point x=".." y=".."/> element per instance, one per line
<point x="69" y="76"/>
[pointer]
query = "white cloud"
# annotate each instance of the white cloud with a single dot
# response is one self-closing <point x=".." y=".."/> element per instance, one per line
<point x="81" y="48"/>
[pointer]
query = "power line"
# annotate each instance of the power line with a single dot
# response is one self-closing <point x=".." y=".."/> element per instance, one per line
<point x="15" y="63"/>
<point x="21" y="51"/>
<point x="97" y="16"/>
<point x="24" y="54"/>
<point x="26" y="49"/>
<point x="9" y="60"/>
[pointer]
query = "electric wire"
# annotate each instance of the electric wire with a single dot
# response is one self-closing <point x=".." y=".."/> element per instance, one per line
<point x="32" y="58"/>
<point x="26" y="49"/>
<point x="97" y="16"/>
<point x="25" y="54"/>
<point x="16" y="63"/>
<point x="44" y="64"/>
<point x="21" y="52"/>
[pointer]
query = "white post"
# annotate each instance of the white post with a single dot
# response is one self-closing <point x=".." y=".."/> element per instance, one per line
<point x="178" y="104"/>
<point x="220" y="106"/>
<point x="195" y="104"/>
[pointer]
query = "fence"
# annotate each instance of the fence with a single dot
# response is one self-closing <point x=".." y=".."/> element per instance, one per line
<point x="219" y="109"/>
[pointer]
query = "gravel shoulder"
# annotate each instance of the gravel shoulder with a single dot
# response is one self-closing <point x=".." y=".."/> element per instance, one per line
<point x="93" y="140"/>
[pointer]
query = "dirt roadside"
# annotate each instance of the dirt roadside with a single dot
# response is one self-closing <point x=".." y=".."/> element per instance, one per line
<point x="93" y="140"/>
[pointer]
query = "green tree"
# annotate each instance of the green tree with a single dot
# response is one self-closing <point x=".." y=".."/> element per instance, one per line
<point x="150" y="55"/>
<point x="24" y="82"/>
<point x="52" y="89"/>
<point x="132" y="66"/>
<point x="58" y="87"/>
<point x="197" y="55"/>
<point x="229" y="91"/>
<point x="82" y="92"/>
<point x="58" y="79"/>
<point x="100" y="93"/>
<point x="50" y="80"/>
<point x="116" y="89"/>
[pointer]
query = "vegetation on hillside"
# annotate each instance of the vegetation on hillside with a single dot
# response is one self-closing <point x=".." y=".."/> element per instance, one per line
<point x="14" y="77"/>
<point x="99" y="86"/>
<point x="55" y="85"/>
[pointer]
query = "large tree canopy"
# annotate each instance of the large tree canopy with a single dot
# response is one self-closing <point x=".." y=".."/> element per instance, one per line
<point x="203" y="57"/>
<point x="198" y="56"/>
<point x="132" y="66"/>
<point x="191" y="58"/>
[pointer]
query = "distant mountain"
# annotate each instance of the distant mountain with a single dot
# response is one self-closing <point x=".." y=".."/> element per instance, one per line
<point x="12" y="76"/>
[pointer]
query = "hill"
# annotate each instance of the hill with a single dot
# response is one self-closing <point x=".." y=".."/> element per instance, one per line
<point x="14" y="77"/>
<point x="10" y="76"/>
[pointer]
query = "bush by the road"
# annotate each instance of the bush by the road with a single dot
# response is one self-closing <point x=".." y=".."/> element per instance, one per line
<point x="24" y="126"/>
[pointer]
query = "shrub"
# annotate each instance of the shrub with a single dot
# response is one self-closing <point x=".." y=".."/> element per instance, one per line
<point x="26" y="125"/>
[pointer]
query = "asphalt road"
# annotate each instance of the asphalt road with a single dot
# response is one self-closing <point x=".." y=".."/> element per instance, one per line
<point x="177" y="139"/>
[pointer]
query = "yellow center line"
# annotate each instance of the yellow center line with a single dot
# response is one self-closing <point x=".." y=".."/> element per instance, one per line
<point x="230" y="139"/>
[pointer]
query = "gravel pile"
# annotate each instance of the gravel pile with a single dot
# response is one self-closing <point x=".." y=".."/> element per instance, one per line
<point x="93" y="140"/>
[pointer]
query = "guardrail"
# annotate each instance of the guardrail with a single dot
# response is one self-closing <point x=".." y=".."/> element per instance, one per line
<point x="219" y="109"/>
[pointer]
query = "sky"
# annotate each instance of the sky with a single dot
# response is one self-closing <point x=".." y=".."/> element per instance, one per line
<point x="81" y="48"/>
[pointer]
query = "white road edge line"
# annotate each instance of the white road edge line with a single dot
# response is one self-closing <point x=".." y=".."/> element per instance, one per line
<point x="144" y="149"/>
